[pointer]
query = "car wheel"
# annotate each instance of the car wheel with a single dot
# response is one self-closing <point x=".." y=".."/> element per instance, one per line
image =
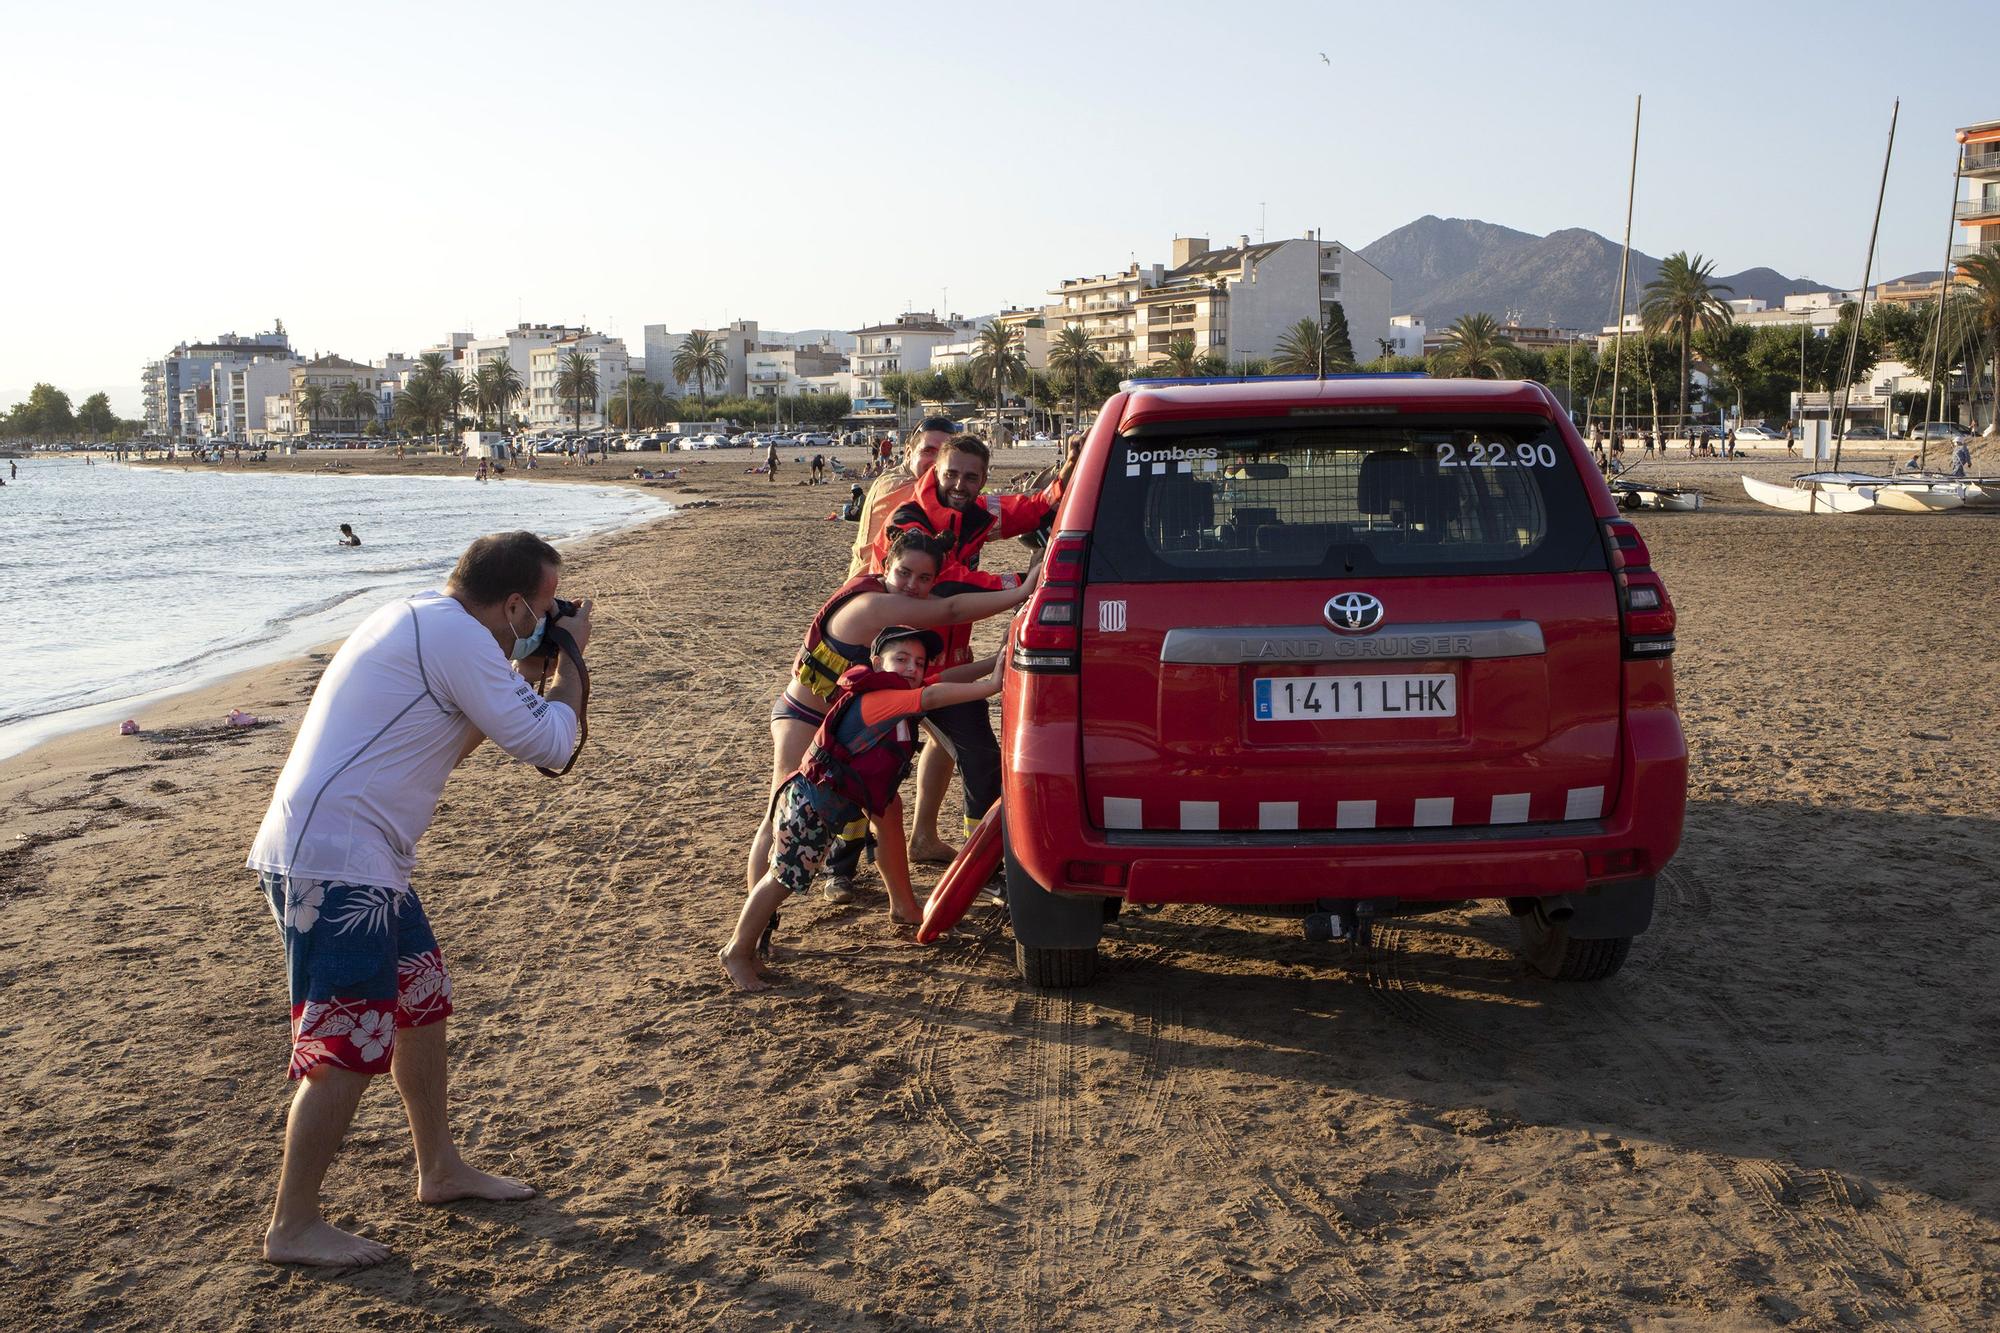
<point x="1551" y="952"/>
<point x="1050" y="931"/>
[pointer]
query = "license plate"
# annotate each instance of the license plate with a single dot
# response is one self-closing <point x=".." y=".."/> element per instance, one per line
<point x="1339" y="698"/>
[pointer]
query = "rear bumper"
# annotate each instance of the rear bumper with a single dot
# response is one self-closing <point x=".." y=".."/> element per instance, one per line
<point x="1635" y="839"/>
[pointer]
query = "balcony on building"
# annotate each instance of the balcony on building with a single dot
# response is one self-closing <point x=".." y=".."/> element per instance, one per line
<point x="1978" y="210"/>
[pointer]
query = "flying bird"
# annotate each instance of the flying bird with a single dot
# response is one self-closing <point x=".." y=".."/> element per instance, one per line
<point x="1323" y="60"/>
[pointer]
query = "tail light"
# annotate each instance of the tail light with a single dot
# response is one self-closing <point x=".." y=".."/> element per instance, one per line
<point x="1048" y="635"/>
<point x="1644" y="609"/>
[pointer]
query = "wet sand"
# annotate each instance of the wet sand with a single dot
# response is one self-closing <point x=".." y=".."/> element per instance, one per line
<point x="1778" y="1115"/>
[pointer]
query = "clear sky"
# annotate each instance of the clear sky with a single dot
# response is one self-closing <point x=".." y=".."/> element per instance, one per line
<point x="378" y="174"/>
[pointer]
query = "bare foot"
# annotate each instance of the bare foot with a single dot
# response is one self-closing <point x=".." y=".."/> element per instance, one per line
<point x="322" y="1244"/>
<point x="462" y="1182"/>
<point x="742" y="971"/>
<point x="932" y="851"/>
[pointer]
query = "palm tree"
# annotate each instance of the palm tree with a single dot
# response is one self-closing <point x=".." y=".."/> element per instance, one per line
<point x="1182" y="360"/>
<point x="997" y="360"/>
<point x="494" y="385"/>
<point x="1972" y="320"/>
<point x="416" y="405"/>
<point x="356" y="402"/>
<point x="1313" y="348"/>
<point x="1682" y="300"/>
<point x="639" y="403"/>
<point x="451" y="394"/>
<point x="1475" y="348"/>
<point x="1076" y="360"/>
<point x="701" y="358"/>
<point x="313" y="400"/>
<point x="576" y="383"/>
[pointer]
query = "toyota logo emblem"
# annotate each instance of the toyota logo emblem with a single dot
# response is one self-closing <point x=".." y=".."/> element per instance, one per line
<point x="1353" y="612"/>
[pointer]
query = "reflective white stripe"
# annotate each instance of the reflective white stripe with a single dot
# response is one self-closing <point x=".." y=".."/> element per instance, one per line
<point x="1278" y="814"/>
<point x="1354" y="814"/>
<point x="1123" y="812"/>
<point x="1200" y="814"/>
<point x="1510" y="809"/>
<point x="1584" y="803"/>
<point x="1432" y="812"/>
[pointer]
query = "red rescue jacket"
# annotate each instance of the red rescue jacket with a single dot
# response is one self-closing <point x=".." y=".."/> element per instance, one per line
<point x="966" y="532"/>
<point x="860" y="763"/>
<point x="823" y="659"/>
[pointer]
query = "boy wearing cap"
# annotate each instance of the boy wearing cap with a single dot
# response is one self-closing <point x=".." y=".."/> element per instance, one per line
<point x="858" y="758"/>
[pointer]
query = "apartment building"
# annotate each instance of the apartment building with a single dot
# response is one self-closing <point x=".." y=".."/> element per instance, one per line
<point x="903" y="345"/>
<point x="739" y="341"/>
<point x="774" y="370"/>
<point x="516" y="347"/>
<point x="547" y="408"/>
<point x="162" y="383"/>
<point x="240" y="391"/>
<point x="1978" y="213"/>
<point x="334" y="374"/>
<point x="1236" y="302"/>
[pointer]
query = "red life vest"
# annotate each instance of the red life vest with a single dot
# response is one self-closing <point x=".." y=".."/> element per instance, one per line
<point x="861" y="763"/>
<point x="823" y="659"/>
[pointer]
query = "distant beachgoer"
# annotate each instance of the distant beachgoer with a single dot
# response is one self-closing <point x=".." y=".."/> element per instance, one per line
<point x="13" y="471"/>
<point x="386" y="727"/>
<point x="771" y="461"/>
<point x="1961" y="459"/>
<point x="347" y="537"/>
<point x="1791" y="447"/>
<point x="818" y="468"/>
<point x="856" y="501"/>
<point x="482" y="469"/>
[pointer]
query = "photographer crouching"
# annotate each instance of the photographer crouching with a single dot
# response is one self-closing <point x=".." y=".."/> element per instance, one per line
<point x="414" y="690"/>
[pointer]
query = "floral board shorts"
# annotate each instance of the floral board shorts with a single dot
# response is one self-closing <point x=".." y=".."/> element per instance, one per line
<point x="362" y="962"/>
<point x="800" y="834"/>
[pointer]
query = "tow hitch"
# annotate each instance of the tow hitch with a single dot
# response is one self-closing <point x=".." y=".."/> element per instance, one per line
<point x="1347" y="919"/>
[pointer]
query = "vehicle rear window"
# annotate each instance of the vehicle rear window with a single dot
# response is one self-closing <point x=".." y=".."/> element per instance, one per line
<point x="1416" y="496"/>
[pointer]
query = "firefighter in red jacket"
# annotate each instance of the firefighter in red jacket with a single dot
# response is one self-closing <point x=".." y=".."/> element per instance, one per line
<point x="949" y="503"/>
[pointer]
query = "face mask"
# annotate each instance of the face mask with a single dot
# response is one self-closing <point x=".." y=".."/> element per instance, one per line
<point x="526" y="648"/>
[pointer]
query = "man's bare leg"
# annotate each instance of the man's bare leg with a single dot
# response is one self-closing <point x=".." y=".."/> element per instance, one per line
<point x="934" y="769"/>
<point x="442" y="1175"/>
<point x="321" y="1111"/>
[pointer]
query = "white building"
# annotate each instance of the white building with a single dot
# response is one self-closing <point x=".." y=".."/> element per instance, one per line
<point x="1406" y="337"/>
<point x="775" y="370"/>
<point x="547" y="408"/>
<point x="1237" y="302"/>
<point x="277" y="416"/>
<point x="738" y="340"/>
<point x="516" y="346"/>
<point x="903" y="346"/>
<point x="164" y="383"/>
<point x="241" y="389"/>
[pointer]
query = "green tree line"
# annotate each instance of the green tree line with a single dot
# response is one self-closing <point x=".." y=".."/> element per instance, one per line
<point x="46" y="417"/>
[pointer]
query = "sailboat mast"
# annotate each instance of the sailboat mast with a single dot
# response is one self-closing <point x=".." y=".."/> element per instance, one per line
<point x="1624" y="268"/>
<point x="1867" y="272"/>
<point x="1937" y="329"/>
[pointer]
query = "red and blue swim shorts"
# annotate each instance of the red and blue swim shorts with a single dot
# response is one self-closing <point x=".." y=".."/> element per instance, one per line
<point x="362" y="962"/>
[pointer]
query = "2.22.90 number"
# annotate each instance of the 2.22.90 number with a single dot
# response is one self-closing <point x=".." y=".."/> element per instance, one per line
<point x="1497" y="454"/>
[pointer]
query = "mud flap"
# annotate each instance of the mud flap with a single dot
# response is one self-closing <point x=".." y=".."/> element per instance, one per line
<point x="1612" y="911"/>
<point x="1044" y="920"/>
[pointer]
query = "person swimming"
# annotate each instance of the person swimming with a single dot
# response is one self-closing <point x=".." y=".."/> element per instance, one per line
<point x="347" y="537"/>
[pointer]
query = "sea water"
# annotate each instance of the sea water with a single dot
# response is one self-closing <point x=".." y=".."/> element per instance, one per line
<point x="125" y="583"/>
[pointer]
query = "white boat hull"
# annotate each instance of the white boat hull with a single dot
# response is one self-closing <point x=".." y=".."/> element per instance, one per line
<point x="1812" y="499"/>
<point x="1918" y="499"/>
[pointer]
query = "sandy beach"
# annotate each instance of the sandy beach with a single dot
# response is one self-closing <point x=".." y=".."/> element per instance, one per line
<point x="1779" y="1115"/>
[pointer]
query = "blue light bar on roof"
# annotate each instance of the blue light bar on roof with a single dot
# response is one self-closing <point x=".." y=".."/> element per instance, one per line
<point x="1127" y="386"/>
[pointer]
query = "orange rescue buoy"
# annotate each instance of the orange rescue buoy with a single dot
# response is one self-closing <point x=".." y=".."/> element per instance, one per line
<point x="963" y="878"/>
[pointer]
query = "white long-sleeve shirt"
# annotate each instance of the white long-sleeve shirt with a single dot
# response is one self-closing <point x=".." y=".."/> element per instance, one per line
<point x="394" y="709"/>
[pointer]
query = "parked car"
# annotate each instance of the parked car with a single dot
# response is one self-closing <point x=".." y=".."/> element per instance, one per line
<point x="1940" y="432"/>
<point x="1345" y="650"/>
<point x="1866" y="433"/>
<point x="815" y="440"/>
<point x="1751" y="432"/>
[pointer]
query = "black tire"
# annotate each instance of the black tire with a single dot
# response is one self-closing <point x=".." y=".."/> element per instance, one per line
<point x="1552" y="953"/>
<point x="1055" y="969"/>
<point x="1050" y="968"/>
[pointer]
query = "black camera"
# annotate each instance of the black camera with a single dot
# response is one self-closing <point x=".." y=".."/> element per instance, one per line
<point x="553" y="639"/>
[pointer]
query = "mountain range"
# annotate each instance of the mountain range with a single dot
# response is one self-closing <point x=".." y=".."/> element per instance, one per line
<point x="1447" y="267"/>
